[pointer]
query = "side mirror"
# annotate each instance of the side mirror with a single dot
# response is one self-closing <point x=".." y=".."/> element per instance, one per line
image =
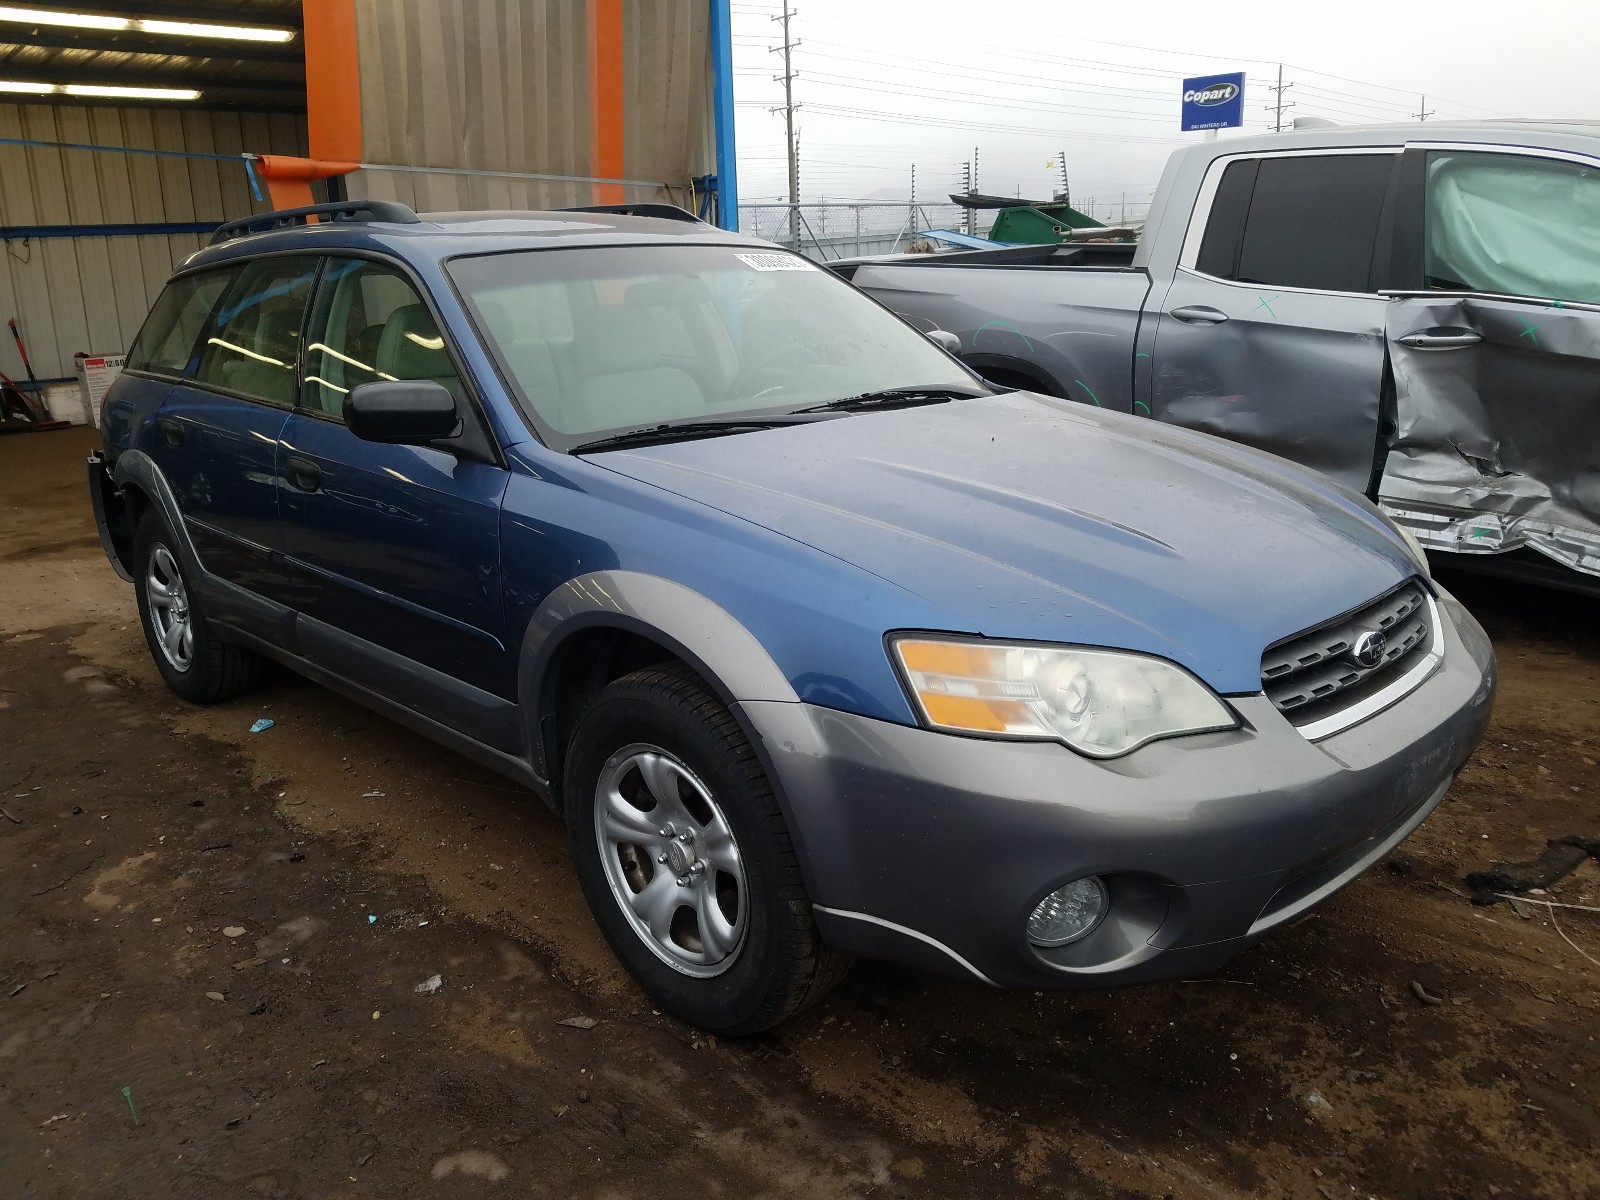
<point x="945" y="340"/>
<point x="404" y="412"/>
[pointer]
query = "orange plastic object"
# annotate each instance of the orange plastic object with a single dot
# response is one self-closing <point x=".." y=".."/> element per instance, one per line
<point x="289" y="179"/>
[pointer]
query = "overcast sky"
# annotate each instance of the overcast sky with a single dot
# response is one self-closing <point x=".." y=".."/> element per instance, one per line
<point x="889" y="83"/>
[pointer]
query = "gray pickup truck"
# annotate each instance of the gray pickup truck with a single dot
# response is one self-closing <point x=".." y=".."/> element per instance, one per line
<point x="1412" y="309"/>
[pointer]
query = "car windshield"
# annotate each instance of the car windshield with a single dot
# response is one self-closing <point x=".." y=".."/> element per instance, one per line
<point x="614" y="338"/>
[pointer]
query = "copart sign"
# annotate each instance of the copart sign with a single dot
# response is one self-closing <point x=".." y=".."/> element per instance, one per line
<point x="1213" y="102"/>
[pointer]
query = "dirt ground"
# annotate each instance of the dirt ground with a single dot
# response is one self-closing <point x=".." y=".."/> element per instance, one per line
<point x="212" y="946"/>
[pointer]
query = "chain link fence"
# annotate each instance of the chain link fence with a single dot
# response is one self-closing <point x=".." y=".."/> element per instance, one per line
<point x="829" y="231"/>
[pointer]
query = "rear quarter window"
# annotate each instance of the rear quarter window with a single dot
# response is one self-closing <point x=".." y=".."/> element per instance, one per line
<point x="1306" y="221"/>
<point x="167" y="342"/>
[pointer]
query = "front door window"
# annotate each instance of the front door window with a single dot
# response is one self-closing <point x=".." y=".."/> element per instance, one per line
<point x="1512" y="225"/>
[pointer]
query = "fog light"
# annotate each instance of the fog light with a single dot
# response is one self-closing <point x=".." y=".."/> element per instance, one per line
<point x="1068" y="913"/>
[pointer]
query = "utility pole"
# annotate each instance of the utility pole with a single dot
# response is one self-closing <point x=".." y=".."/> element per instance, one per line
<point x="972" y="213"/>
<point x="1423" y="112"/>
<point x="966" y="190"/>
<point x="911" y="210"/>
<point x="1066" y="189"/>
<point x="1278" y="107"/>
<point x="787" y="78"/>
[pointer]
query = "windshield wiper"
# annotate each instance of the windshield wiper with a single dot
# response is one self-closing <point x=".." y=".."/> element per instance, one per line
<point x="902" y="397"/>
<point x="653" y="435"/>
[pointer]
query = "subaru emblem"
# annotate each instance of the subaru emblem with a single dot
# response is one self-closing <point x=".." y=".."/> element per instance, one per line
<point x="1368" y="649"/>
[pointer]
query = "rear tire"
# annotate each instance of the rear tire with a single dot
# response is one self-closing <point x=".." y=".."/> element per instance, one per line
<point x="711" y="917"/>
<point x="195" y="663"/>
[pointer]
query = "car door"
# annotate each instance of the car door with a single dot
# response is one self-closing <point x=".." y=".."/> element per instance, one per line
<point x="1271" y="332"/>
<point x="216" y="433"/>
<point x="393" y="551"/>
<point x="1496" y="351"/>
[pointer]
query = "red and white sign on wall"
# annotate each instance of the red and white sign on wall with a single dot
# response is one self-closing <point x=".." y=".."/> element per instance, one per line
<point x="96" y="374"/>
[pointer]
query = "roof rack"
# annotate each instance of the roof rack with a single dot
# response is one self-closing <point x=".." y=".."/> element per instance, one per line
<point x="666" y="212"/>
<point x="345" y="210"/>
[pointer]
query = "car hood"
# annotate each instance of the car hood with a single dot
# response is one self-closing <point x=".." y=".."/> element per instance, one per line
<point x="1021" y="516"/>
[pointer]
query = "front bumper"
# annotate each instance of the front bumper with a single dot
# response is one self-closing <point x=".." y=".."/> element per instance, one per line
<point x="932" y="849"/>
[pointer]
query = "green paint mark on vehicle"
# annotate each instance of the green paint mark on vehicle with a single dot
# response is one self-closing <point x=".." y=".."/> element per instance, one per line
<point x="1092" y="396"/>
<point x="1478" y="531"/>
<point x="1529" y="330"/>
<point x="1141" y="355"/>
<point x="1143" y="405"/>
<point x="1266" y="303"/>
<point x="1002" y="325"/>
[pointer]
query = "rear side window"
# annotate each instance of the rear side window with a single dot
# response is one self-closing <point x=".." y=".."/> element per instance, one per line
<point x="168" y="338"/>
<point x="1305" y="221"/>
<point x="253" y="344"/>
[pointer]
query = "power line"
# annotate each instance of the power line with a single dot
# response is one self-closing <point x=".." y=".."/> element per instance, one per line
<point x="918" y="92"/>
<point x="1012" y="52"/>
<point x="921" y="119"/>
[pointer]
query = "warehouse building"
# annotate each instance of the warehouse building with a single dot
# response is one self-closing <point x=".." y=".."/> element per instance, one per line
<point x="129" y="131"/>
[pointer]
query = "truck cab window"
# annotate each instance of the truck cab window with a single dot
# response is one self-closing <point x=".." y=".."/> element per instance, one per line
<point x="1307" y="221"/>
<point x="1513" y="225"/>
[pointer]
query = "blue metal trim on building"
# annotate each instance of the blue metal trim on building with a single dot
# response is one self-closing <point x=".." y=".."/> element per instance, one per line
<point x="15" y="232"/>
<point x="722" y="114"/>
<point x="35" y="143"/>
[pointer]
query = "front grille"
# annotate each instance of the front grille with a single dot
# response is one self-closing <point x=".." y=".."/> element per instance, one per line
<point x="1315" y="675"/>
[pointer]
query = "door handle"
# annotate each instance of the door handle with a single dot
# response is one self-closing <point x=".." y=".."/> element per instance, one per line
<point x="304" y="475"/>
<point x="1198" y="314"/>
<point x="171" y="430"/>
<point x="1441" y="339"/>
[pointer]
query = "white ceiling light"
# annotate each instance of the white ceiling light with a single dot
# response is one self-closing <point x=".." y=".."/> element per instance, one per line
<point x="242" y="33"/>
<point x="43" y="16"/>
<point x="130" y="93"/>
<point x="77" y="20"/>
<point x="97" y="90"/>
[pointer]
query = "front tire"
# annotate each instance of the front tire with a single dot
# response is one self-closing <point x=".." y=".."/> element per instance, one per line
<point x="685" y="859"/>
<point x="195" y="663"/>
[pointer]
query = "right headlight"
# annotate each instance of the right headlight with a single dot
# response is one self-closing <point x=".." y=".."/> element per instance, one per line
<point x="1098" y="702"/>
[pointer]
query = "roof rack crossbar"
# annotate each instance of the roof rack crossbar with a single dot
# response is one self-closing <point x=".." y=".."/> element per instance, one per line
<point x="666" y="212"/>
<point x="347" y="210"/>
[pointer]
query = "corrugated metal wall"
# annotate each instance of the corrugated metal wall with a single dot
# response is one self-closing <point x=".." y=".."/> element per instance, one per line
<point x="502" y="85"/>
<point x="92" y="293"/>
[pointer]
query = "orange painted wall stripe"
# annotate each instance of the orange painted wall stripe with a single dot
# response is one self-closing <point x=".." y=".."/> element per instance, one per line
<point x="333" y="80"/>
<point x="606" y="155"/>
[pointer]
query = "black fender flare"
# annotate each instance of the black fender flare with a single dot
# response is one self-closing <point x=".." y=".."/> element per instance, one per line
<point x="1044" y="381"/>
<point x="135" y="468"/>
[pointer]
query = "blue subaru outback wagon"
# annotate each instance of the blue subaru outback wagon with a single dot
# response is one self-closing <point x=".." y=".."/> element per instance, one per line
<point x="821" y="646"/>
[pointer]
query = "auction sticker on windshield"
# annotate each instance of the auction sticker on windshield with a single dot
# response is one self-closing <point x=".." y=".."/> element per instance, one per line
<point x="774" y="262"/>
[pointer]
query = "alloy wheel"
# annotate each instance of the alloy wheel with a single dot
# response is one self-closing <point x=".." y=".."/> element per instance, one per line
<point x="169" y="608"/>
<point x="671" y="859"/>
